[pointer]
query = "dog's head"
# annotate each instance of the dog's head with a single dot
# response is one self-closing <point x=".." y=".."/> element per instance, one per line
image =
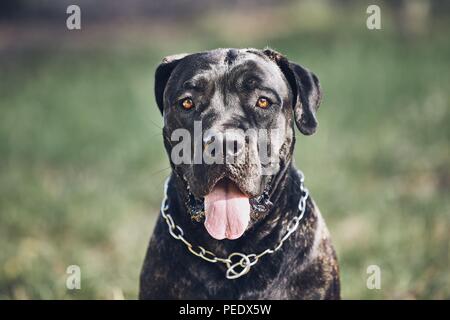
<point x="228" y="127"/>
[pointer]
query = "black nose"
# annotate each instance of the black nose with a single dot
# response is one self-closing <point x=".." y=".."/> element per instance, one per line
<point x="210" y="142"/>
<point x="234" y="143"/>
<point x="208" y="139"/>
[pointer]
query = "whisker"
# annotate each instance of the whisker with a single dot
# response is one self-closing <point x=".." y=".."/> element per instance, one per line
<point x="160" y="171"/>
<point x="155" y="124"/>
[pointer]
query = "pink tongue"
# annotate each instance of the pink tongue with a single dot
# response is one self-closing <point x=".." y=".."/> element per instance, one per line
<point x="227" y="211"/>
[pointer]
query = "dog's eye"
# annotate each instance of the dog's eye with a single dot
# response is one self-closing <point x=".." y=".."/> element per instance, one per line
<point x="187" y="103"/>
<point x="263" y="103"/>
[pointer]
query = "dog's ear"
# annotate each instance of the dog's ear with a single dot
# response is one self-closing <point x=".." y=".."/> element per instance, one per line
<point x="306" y="91"/>
<point x="162" y="75"/>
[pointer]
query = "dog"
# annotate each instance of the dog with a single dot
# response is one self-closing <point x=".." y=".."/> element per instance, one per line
<point x="230" y="230"/>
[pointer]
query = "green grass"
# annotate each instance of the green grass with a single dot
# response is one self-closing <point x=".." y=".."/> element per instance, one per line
<point x="82" y="162"/>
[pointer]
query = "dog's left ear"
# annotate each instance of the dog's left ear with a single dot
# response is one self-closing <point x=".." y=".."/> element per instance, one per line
<point x="306" y="91"/>
<point x="162" y="75"/>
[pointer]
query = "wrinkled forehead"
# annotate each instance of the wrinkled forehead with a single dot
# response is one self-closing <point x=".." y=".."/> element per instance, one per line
<point x="231" y="64"/>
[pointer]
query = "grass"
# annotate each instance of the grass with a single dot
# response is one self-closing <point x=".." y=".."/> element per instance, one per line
<point x="82" y="162"/>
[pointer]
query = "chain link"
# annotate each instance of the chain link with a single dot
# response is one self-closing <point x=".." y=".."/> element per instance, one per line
<point x="243" y="265"/>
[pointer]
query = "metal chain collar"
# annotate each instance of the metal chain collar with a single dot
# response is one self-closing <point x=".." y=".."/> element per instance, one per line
<point x="242" y="266"/>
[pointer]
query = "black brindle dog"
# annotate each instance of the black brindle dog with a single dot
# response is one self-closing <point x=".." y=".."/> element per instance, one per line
<point x="233" y="206"/>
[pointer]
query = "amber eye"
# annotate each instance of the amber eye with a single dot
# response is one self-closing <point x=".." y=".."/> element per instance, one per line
<point x="263" y="103"/>
<point x="187" y="103"/>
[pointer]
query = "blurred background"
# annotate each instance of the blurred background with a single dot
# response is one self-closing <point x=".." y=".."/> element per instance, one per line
<point x="82" y="161"/>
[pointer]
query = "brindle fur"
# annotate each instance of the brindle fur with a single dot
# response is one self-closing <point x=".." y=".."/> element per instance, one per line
<point x="304" y="268"/>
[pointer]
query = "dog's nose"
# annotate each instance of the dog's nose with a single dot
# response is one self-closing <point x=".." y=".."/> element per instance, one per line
<point x="210" y="138"/>
<point x="234" y="143"/>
